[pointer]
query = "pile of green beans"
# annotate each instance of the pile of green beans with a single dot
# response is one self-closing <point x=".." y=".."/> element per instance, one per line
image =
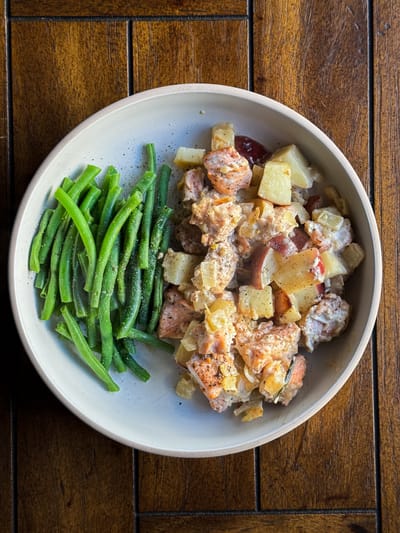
<point x="97" y="256"/>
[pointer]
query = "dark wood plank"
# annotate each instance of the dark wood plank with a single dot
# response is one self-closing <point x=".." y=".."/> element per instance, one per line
<point x="214" y="484"/>
<point x="8" y="371"/>
<point x="121" y="8"/>
<point x="62" y="73"/>
<point x="70" y="478"/>
<point x="387" y="186"/>
<point x="271" y="523"/>
<point x="168" y="52"/>
<point x="318" y="66"/>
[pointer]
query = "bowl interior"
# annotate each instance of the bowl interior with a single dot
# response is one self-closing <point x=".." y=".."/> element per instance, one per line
<point x="150" y="416"/>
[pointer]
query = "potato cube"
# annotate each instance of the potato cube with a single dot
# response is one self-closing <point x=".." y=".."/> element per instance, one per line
<point x="307" y="297"/>
<point x="300" y="270"/>
<point x="256" y="303"/>
<point x="353" y="255"/>
<point x="329" y="217"/>
<point x="222" y="136"/>
<point x="334" y="266"/>
<point x="265" y="207"/>
<point x="179" y="266"/>
<point x="340" y="202"/>
<point x="275" y="184"/>
<point x="189" y="340"/>
<point x="189" y="157"/>
<point x="301" y="173"/>
<point x="182" y="355"/>
<point x="286" y="310"/>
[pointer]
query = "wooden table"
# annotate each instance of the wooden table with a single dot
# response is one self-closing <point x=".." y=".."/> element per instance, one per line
<point x="338" y="63"/>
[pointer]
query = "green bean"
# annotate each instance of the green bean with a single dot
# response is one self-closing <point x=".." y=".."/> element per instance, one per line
<point x="85" y="351"/>
<point x="79" y="296"/>
<point x="92" y="195"/>
<point x="91" y="326"/>
<point x="151" y="157"/>
<point x="118" y="361"/>
<point x="50" y="298"/>
<point x="74" y="188"/>
<point x="134" y="367"/>
<point x="158" y="288"/>
<point x="34" y="262"/>
<point x="162" y="189"/>
<point x="107" y="213"/>
<point x="130" y="236"/>
<point x="65" y="267"/>
<point x="131" y="308"/>
<point x="111" y="179"/>
<point x="52" y="287"/>
<point x="148" y="209"/>
<point x="104" y="313"/>
<point x="128" y="350"/>
<point x="62" y="329"/>
<point x="40" y="278"/>
<point x="113" y="229"/>
<point x="147" y="338"/>
<point x="148" y="275"/>
<point x="84" y="231"/>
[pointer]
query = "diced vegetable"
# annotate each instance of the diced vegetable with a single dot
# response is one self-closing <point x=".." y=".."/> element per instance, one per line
<point x="275" y="184"/>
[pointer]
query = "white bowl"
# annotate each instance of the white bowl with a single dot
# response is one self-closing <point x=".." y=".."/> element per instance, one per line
<point x="150" y="416"/>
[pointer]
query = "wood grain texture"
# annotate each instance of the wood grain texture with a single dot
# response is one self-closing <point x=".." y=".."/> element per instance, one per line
<point x="313" y="56"/>
<point x="74" y="469"/>
<point x="273" y="523"/>
<point x="67" y="474"/>
<point x="168" y="52"/>
<point x="69" y="59"/>
<point x="387" y="200"/>
<point x="63" y="72"/>
<point x="318" y="66"/>
<point x="134" y="8"/>
<point x="214" y="484"/>
<point x="6" y="381"/>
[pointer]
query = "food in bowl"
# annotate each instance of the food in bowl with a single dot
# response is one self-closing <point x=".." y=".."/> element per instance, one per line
<point x="150" y="415"/>
<point x="95" y="255"/>
<point x="263" y="249"/>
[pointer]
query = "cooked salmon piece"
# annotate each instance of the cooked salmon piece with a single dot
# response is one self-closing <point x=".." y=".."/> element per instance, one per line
<point x="324" y="321"/>
<point x="189" y="236"/>
<point x="227" y="170"/>
<point x="210" y="371"/>
<point x="176" y="315"/>
<point x="192" y="184"/>
<point x="216" y="215"/>
<point x="219" y="380"/>
<point x="260" y="343"/>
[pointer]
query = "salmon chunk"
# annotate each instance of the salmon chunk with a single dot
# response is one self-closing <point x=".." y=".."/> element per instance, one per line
<point x="227" y="170"/>
<point x="323" y="321"/>
<point x="259" y="344"/>
<point x="176" y="315"/>
<point x="216" y="215"/>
